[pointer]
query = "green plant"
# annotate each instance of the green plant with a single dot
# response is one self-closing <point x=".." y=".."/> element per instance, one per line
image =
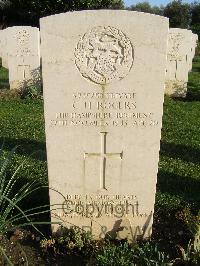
<point x="7" y="94"/>
<point x="6" y="258"/>
<point x="31" y="92"/>
<point x="115" y="255"/>
<point x="148" y="254"/>
<point x="197" y="234"/>
<point x="68" y="241"/>
<point x="190" y="220"/>
<point x="12" y="215"/>
<point x="188" y="256"/>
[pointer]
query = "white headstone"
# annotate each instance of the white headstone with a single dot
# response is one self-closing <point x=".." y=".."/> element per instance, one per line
<point x="179" y="61"/>
<point x="23" y="56"/>
<point x="3" y="48"/>
<point x="1" y="40"/>
<point x="194" y="39"/>
<point x="103" y="76"/>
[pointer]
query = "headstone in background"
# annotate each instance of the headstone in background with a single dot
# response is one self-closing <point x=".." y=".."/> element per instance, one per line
<point x="194" y="40"/>
<point x="3" y="48"/>
<point x="179" y="60"/>
<point x="103" y="77"/>
<point x="1" y="40"/>
<point x="23" y="56"/>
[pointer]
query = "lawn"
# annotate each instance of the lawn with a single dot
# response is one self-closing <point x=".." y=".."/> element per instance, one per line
<point x="179" y="166"/>
<point x="178" y="186"/>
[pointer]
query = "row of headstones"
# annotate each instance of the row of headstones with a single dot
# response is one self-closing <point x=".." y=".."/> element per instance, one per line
<point x="103" y="79"/>
<point x="20" y="53"/>
<point x="181" y="51"/>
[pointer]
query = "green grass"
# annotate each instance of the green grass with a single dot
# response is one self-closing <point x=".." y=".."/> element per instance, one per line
<point x="194" y="81"/>
<point x="22" y="124"/>
<point x="179" y="167"/>
<point x="179" y="171"/>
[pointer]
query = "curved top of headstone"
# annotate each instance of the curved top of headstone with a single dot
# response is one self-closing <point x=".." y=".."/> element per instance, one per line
<point x="18" y="27"/>
<point x="103" y="140"/>
<point x="104" y="12"/>
<point x="104" y="52"/>
<point x="179" y="43"/>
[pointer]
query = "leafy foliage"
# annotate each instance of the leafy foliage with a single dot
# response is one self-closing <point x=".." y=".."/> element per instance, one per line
<point x="12" y="195"/>
<point x="113" y="255"/>
<point x="29" y="11"/>
<point x="147" y="8"/>
<point x="124" y="255"/>
<point x="69" y="242"/>
<point x="181" y="15"/>
<point x="188" y="256"/>
<point x="5" y="256"/>
<point x="195" y="18"/>
<point x="31" y="92"/>
<point x="178" y="14"/>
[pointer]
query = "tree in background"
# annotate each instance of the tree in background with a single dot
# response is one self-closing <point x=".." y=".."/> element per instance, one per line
<point x="147" y="8"/>
<point x="178" y="14"/>
<point x="28" y="12"/>
<point x="141" y="7"/>
<point x="195" y="18"/>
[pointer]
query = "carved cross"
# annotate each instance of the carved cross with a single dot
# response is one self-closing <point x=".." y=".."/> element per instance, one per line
<point x="25" y="70"/>
<point x="103" y="157"/>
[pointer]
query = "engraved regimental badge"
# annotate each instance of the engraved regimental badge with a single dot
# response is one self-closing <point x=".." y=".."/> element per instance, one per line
<point x="104" y="54"/>
<point x="175" y="40"/>
<point x="22" y="36"/>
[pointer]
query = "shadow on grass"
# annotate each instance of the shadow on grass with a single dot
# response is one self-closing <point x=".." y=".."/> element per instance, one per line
<point x="193" y="93"/>
<point x="31" y="148"/>
<point x="40" y="200"/>
<point x="196" y="68"/>
<point x="3" y="84"/>
<point x="35" y="203"/>
<point x="182" y="186"/>
<point x="185" y="187"/>
<point x="180" y="151"/>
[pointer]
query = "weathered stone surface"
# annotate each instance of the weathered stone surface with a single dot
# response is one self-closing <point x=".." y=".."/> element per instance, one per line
<point x="194" y="40"/>
<point x="103" y="76"/>
<point x="181" y="49"/>
<point x="1" y="40"/>
<point x="23" y="56"/>
<point x="3" y="48"/>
